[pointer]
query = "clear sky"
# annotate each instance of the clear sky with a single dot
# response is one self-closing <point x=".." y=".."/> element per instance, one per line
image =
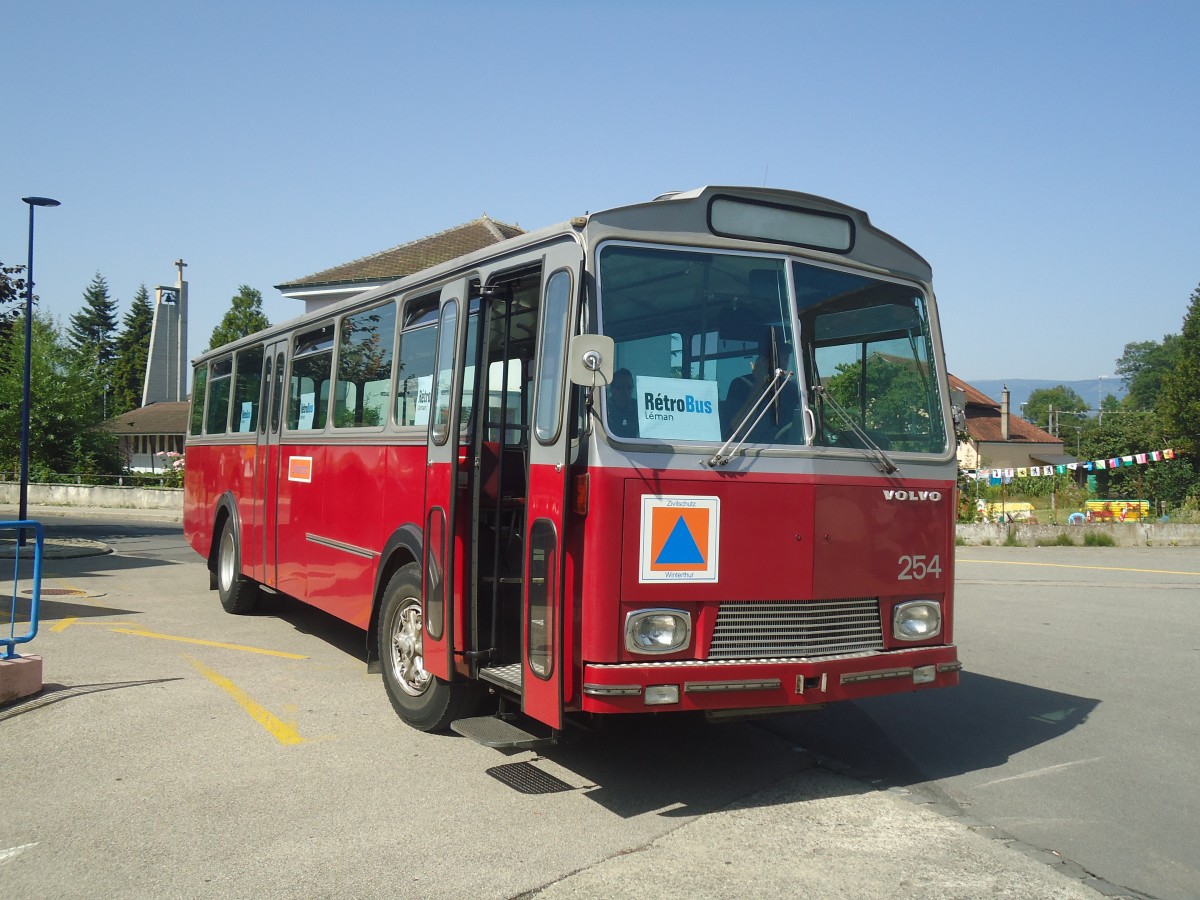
<point x="1043" y="156"/>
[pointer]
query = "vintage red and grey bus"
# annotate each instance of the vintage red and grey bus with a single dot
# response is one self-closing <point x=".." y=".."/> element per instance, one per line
<point x="692" y="454"/>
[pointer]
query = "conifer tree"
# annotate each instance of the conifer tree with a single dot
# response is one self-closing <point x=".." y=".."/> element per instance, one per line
<point x="132" y="349"/>
<point x="245" y="317"/>
<point x="92" y="329"/>
<point x="90" y="337"/>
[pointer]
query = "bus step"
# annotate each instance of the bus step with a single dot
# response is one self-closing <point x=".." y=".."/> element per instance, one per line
<point x="508" y="677"/>
<point x="491" y="731"/>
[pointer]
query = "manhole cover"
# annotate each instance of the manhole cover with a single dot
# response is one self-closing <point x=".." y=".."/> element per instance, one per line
<point x="528" y="779"/>
<point x="57" y="592"/>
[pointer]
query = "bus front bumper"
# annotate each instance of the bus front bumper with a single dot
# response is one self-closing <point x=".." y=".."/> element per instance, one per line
<point x="773" y="684"/>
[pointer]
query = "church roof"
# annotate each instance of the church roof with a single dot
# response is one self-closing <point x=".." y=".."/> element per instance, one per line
<point x="414" y="256"/>
<point x="168" y="417"/>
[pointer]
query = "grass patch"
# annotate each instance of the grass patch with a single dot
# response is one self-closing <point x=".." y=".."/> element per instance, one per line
<point x="1011" y="539"/>
<point x="1061" y="540"/>
<point x="1098" y="539"/>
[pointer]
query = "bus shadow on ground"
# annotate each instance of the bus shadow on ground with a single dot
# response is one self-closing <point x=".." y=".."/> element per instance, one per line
<point x="309" y="620"/>
<point x="684" y="766"/>
<point x="51" y="611"/>
<point x="909" y="739"/>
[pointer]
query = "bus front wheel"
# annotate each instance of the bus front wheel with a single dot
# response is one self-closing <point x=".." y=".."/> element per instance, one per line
<point x="238" y="593"/>
<point x="422" y="700"/>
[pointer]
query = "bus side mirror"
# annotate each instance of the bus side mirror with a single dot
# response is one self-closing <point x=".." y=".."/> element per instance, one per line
<point x="590" y="360"/>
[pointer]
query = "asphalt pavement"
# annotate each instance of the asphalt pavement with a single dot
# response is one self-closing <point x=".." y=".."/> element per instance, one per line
<point x="815" y="831"/>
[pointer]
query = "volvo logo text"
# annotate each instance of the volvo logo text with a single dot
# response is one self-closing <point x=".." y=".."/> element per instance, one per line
<point x="932" y="496"/>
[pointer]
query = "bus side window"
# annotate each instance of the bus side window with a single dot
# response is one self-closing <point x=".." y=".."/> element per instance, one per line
<point x="418" y="346"/>
<point x="199" y="385"/>
<point x="247" y="385"/>
<point x="264" y="398"/>
<point x="364" y="377"/>
<point x="217" y="417"/>
<point x="548" y="417"/>
<point x="312" y="368"/>
<point x="277" y="394"/>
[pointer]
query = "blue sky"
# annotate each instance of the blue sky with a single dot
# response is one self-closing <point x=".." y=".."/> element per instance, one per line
<point x="1041" y="155"/>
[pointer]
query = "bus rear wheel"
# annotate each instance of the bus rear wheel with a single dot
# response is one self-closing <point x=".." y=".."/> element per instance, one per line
<point x="422" y="700"/>
<point x="239" y="594"/>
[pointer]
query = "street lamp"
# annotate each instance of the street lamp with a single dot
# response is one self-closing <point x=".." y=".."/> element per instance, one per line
<point x="23" y="510"/>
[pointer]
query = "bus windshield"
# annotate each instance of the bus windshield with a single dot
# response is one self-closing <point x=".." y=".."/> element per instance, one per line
<point x="706" y="347"/>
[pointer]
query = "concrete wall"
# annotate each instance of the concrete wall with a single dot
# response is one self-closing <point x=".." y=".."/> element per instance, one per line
<point x="1129" y="534"/>
<point x="103" y="496"/>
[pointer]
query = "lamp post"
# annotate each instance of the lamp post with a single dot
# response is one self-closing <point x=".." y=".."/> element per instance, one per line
<point x="25" y="393"/>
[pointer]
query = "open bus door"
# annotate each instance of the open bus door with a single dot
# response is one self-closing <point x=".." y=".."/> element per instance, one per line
<point x="440" y="561"/>
<point x="544" y="656"/>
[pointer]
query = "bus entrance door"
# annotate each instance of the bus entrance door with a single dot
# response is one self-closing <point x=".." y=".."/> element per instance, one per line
<point x="544" y="657"/>
<point x="441" y="559"/>
<point x="266" y="470"/>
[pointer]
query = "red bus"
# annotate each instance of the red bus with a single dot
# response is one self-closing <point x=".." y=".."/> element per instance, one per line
<point x="693" y="454"/>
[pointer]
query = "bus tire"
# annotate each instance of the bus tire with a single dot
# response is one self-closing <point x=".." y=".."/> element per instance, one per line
<point x="239" y="594"/>
<point x="422" y="700"/>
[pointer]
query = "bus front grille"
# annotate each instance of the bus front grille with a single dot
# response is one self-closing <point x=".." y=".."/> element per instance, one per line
<point x="804" y="629"/>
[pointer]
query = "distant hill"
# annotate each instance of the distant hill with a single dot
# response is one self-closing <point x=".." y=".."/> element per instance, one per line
<point x="1019" y="389"/>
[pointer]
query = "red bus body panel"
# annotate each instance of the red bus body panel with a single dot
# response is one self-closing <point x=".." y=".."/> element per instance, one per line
<point x="783" y="538"/>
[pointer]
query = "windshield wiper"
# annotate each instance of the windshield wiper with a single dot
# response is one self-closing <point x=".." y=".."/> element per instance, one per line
<point x="770" y="393"/>
<point x="882" y="461"/>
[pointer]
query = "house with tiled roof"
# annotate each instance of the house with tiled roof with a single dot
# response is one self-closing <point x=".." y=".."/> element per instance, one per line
<point x="345" y="280"/>
<point x="145" y="432"/>
<point x="998" y="439"/>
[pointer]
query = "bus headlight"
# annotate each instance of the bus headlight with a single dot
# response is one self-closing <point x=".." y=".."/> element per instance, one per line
<point x="658" y="631"/>
<point x="917" y="620"/>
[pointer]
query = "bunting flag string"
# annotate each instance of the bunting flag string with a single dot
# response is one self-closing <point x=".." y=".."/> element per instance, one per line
<point x="1116" y="462"/>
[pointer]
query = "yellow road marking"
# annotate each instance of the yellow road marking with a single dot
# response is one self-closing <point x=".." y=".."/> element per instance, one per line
<point x="283" y="732"/>
<point x="1011" y="562"/>
<point x="171" y="637"/>
<point x="67" y="622"/>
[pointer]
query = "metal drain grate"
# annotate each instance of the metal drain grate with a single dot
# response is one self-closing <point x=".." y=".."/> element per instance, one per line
<point x="528" y="779"/>
<point x="58" y="592"/>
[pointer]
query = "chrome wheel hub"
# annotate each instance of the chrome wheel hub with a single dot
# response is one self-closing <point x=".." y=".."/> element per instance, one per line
<point x="408" y="661"/>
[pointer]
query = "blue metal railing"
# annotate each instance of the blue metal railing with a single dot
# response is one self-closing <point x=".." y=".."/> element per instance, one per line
<point x="22" y="550"/>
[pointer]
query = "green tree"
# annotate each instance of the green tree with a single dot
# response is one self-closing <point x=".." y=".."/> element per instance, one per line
<point x="91" y="333"/>
<point x="245" y="317"/>
<point x="12" y="296"/>
<point x="1063" y="400"/>
<point x="12" y="292"/>
<point x="1142" y="367"/>
<point x="1121" y="434"/>
<point x="1179" y="400"/>
<point x="91" y="337"/>
<point x="132" y="348"/>
<point x="63" y="435"/>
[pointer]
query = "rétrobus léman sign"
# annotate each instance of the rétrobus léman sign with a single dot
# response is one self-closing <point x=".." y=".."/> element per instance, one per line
<point x="671" y="409"/>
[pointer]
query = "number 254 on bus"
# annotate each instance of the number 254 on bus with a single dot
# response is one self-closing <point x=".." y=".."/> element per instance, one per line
<point x="694" y="454"/>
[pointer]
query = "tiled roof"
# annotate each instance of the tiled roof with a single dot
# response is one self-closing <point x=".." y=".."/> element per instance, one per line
<point x="157" y="418"/>
<point x="983" y="420"/>
<point x="413" y="256"/>
<point x="984" y="425"/>
<point x="974" y="396"/>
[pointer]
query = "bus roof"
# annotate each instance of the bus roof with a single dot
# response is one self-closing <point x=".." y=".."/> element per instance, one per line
<point x="677" y="216"/>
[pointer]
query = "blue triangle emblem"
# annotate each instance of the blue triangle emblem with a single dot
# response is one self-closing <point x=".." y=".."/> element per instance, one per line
<point x="679" y="548"/>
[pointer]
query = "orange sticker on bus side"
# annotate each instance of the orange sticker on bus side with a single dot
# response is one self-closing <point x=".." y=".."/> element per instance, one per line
<point x="300" y="468"/>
